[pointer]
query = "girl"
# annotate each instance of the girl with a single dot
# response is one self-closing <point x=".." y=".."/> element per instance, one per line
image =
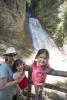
<point x="40" y="67"/>
<point x="19" y="69"/>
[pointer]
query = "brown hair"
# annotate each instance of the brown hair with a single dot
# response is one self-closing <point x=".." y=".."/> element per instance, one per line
<point x="16" y="64"/>
<point x="41" y="51"/>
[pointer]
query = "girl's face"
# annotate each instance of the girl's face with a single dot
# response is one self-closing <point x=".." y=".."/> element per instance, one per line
<point x="42" y="60"/>
<point x="20" y="67"/>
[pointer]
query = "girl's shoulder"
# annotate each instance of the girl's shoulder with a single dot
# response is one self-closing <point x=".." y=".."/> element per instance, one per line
<point x="16" y="75"/>
<point x="34" y="63"/>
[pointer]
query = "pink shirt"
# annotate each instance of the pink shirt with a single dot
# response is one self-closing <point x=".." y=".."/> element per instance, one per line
<point x="39" y="74"/>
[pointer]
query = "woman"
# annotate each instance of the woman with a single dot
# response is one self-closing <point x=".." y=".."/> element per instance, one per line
<point x="7" y="84"/>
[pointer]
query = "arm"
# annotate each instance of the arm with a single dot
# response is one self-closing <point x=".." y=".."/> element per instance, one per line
<point x="49" y="69"/>
<point x="5" y="84"/>
<point x="19" y="89"/>
<point x="30" y="67"/>
<point x="27" y="67"/>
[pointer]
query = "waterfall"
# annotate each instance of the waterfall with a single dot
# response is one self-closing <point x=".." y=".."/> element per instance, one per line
<point x="41" y="39"/>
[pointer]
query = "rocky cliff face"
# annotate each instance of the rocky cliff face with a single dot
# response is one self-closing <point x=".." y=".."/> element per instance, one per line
<point x="12" y="14"/>
<point x="13" y="25"/>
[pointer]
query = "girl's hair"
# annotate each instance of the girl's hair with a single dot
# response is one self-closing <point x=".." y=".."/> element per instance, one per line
<point x="41" y="51"/>
<point x="16" y="64"/>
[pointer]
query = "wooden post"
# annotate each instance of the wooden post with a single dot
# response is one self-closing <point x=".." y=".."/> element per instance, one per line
<point x="30" y="85"/>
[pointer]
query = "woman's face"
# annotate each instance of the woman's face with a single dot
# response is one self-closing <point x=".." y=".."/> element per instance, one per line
<point x="42" y="60"/>
<point x="11" y="58"/>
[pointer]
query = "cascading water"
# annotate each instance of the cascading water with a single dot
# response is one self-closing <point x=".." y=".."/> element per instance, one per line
<point x="41" y="39"/>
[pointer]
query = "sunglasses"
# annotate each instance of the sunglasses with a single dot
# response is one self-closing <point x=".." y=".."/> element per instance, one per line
<point x="11" y="55"/>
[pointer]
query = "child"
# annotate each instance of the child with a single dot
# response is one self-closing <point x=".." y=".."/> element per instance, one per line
<point x="40" y="67"/>
<point x="19" y="71"/>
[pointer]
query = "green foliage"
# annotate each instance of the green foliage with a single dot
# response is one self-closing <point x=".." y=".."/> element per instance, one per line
<point x="47" y="13"/>
<point x="29" y="3"/>
<point x="65" y="39"/>
<point x="60" y="36"/>
<point x="65" y="24"/>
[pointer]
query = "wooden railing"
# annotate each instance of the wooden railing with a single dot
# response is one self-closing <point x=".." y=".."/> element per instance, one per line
<point x="48" y="85"/>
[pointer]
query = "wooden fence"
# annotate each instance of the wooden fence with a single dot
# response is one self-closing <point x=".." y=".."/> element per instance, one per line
<point x="47" y="85"/>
